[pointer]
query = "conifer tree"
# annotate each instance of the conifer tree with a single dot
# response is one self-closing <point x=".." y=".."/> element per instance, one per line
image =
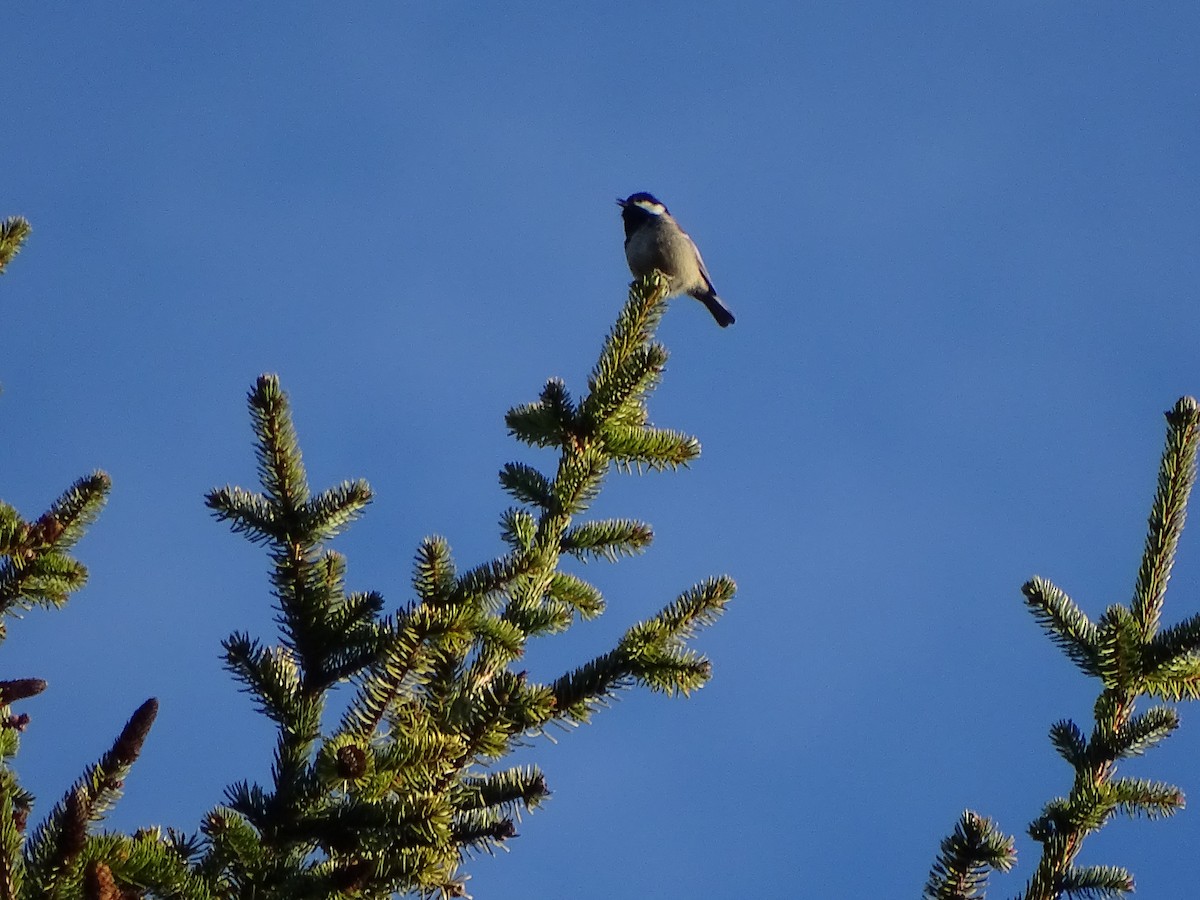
<point x="1132" y="657"/>
<point x="412" y="779"/>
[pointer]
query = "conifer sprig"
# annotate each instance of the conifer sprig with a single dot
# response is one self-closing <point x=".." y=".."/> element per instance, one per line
<point x="967" y="855"/>
<point x="55" y="853"/>
<point x="35" y="569"/>
<point x="1132" y="657"/>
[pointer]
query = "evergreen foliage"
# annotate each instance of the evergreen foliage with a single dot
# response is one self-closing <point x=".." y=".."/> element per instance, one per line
<point x="411" y="781"/>
<point x="976" y="846"/>
<point x="1133" y="658"/>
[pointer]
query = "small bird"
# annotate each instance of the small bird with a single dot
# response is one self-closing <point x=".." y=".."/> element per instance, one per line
<point x="654" y="240"/>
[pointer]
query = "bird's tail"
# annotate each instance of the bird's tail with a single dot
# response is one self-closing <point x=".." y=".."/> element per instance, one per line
<point x="719" y="310"/>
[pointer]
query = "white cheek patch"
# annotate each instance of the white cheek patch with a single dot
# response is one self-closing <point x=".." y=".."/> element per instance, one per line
<point x="655" y="209"/>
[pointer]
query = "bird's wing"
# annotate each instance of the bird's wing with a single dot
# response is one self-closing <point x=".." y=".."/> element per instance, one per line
<point x="700" y="262"/>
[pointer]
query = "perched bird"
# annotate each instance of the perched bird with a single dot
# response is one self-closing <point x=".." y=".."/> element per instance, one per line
<point x="654" y="240"/>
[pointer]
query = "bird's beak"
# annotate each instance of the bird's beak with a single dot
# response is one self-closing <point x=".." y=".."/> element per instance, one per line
<point x="620" y="203"/>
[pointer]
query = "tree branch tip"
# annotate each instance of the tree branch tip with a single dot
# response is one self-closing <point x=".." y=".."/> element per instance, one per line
<point x="1186" y="405"/>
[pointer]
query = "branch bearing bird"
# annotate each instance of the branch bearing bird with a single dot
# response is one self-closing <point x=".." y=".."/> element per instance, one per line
<point x="654" y="240"/>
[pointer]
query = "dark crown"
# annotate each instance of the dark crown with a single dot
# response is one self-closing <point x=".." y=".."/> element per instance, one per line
<point x="644" y="197"/>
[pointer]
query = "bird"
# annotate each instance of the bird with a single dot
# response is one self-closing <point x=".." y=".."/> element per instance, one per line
<point x="654" y="240"/>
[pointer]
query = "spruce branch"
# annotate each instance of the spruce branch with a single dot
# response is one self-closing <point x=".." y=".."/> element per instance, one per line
<point x="533" y="618"/>
<point x="527" y="485"/>
<point x="249" y="514"/>
<point x="328" y="514"/>
<point x="634" y="446"/>
<point x="1172" y="645"/>
<point x="607" y="539"/>
<point x="277" y="449"/>
<point x="510" y="791"/>
<point x="1176" y="679"/>
<point x="629" y="362"/>
<point x="1176" y="478"/>
<point x="576" y="593"/>
<point x="1066" y="624"/>
<point x="1139" y="797"/>
<point x="1138" y="734"/>
<point x="269" y="674"/>
<point x="967" y="855"/>
<point x="1070" y="742"/>
<point x="486" y="583"/>
<point x="357" y="615"/>
<point x="548" y="422"/>
<point x="1123" y="651"/>
<point x="57" y="843"/>
<point x="1119" y="651"/>
<point x="145" y="864"/>
<point x="434" y="577"/>
<point x="419" y="639"/>
<point x="77" y="508"/>
<point x="482" y="829"/>
<point x="1130" y="656"/>
<point x="518" y="529"/>
<point x="617" y="392"/>
<point x="651" y="652"/>
<point x="35" y="568"/>
<point x="1095" y="882"/>
<point x="14" y="808"/>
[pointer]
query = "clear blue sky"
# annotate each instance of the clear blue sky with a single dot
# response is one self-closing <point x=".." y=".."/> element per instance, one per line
<point x="961" y="240"/>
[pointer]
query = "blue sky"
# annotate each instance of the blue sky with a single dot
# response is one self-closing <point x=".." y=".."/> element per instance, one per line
<point x="961" y="242"/>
